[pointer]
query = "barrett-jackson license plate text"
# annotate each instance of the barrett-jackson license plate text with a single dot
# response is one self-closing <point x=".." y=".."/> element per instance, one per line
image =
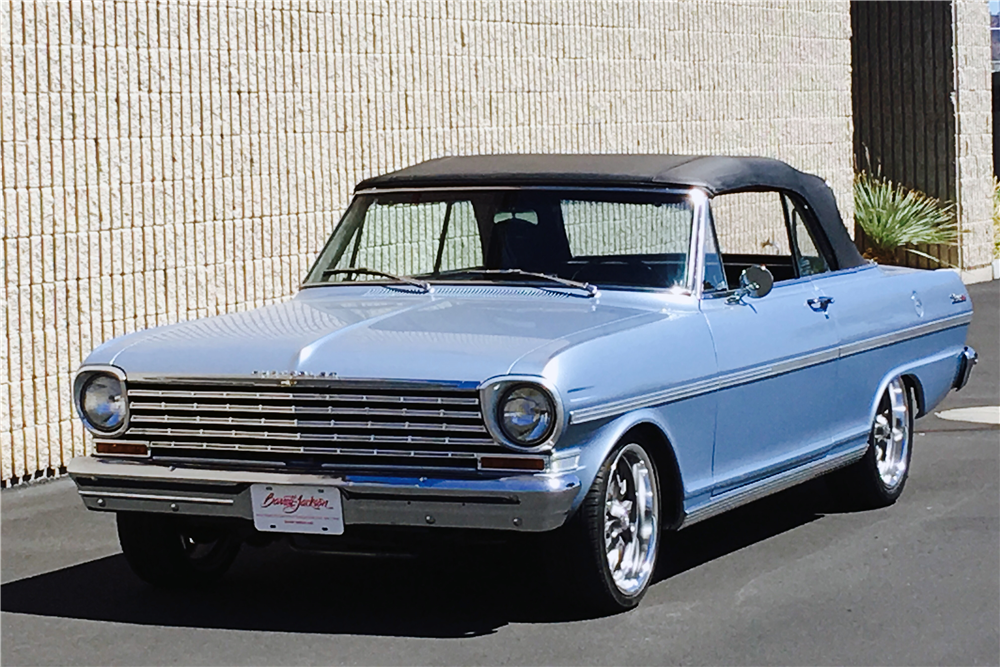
<point x="297" y="509"/>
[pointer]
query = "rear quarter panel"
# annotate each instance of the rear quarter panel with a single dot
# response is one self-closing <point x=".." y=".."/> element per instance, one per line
<point x="893" y="321"/>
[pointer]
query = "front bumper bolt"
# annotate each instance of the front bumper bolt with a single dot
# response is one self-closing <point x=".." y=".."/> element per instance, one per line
<point x="429" y="519"/>
<point x="517" y="521"/>
<point x="100" y="502"/>
<point x="174" y="507"/>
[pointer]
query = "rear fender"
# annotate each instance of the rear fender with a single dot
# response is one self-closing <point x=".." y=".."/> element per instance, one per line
<point x="932" y="378"/>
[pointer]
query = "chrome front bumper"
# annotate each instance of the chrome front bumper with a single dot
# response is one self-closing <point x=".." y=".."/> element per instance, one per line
<point x="530" y="503"/>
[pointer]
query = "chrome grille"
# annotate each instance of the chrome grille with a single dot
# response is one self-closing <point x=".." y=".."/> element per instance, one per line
<point x="311" y="423"/>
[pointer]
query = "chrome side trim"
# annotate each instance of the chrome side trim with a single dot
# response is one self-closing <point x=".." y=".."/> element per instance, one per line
<point x="155" y="496"/>
<point x="584" y="415"/>
<point x="905" y="334"/>
<point x="779" y="482"/>
<point x="755" y="373"/>
<point x="701" y="387"/>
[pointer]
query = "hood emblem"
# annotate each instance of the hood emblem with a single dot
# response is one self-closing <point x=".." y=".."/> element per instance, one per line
<point x="289" y="378"/>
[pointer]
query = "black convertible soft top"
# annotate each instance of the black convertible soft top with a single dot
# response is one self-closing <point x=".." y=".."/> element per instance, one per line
<point x="714" y="174"/>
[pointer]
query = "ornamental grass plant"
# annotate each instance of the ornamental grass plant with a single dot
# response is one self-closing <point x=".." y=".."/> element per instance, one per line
<point x="893" y="216"/>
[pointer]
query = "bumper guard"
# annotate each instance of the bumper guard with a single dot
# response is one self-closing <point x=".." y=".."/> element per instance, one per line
<point x="966" y="361"/>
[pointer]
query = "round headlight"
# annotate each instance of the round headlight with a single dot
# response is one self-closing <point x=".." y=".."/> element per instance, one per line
<point x="526" y="415"/>
<point x="102" y="402"/>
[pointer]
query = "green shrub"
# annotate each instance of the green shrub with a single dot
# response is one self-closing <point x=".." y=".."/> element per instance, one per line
<point x="893" y="216"/>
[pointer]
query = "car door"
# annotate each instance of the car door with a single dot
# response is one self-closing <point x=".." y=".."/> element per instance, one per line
<point x="777" y="355"/>
<point x="864" y="308"/>
<point x="864" y="305"/>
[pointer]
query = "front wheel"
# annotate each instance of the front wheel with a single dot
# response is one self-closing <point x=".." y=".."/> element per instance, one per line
<point x="611" y="543"/>
<point x="877" y="480"/>
<point x="168" y="551"/>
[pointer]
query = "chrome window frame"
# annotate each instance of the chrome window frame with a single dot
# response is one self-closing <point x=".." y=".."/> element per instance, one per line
<point x="707" y="227"/>
<point x="700" y="228"/>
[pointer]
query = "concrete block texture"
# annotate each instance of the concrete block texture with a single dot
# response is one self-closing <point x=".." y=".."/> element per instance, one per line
<point x="974" y="126"/>
<point x="163" y="161"/>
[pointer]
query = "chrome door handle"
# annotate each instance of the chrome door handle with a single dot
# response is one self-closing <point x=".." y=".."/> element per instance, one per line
<point x="820" y="303"/>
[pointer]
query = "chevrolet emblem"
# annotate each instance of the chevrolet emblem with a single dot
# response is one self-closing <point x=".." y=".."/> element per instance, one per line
<point x="290" y="378"/>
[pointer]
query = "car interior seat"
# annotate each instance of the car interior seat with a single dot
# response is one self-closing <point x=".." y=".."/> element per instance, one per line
<point x="520" y="241"/>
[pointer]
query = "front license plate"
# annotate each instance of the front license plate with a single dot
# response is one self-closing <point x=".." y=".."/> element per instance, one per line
<point x="297" y="509"/>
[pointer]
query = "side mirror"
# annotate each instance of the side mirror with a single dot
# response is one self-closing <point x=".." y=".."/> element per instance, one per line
<point x="757" y="281"/>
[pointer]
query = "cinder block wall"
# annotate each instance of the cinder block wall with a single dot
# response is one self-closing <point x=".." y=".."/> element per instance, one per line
<point x="175" y="160"/>
<point x="974" y="126"/>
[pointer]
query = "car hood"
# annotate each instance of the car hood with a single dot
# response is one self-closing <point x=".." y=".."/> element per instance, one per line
<point x="465" y="334"/>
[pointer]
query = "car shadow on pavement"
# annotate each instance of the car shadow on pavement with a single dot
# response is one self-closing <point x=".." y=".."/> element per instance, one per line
<point x="465" y="594"/>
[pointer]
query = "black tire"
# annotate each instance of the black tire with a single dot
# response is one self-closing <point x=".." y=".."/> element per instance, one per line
<point x="579" y="552"/>
<point x="169" y="551"/>
<point x="862" y="485"/>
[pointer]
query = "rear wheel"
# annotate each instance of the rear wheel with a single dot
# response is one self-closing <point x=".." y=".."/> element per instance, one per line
<point x="166" y="550"/>
<point x="611" y="543"/>
<point x="877" y="480"/>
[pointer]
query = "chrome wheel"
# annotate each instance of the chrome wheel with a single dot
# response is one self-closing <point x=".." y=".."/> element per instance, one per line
<point x="891" y="435"/>
<point x="877" y="479"/>
<point x="631" y="516"/>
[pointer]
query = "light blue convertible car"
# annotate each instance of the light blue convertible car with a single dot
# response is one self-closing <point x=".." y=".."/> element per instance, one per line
<point x="596" y="349"/>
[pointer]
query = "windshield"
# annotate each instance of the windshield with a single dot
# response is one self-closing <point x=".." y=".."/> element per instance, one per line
<point x="605" y="238"/>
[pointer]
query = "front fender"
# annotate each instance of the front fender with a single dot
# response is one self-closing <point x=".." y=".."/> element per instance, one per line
<point x="596" y="440"/>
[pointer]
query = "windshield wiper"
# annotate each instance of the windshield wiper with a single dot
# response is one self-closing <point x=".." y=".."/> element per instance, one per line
<point x="424" y="286"/>
<point x="591" y="290"/>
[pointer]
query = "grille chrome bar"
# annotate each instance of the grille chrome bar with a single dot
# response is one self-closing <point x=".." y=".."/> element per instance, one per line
<point x="303" y="396"/>
<point x="322" y="451"/>
<point x="202" y="422"/>
<point x="309" y="437"/>
<point x="163" y="406"/>
<point x="383" y="467"/>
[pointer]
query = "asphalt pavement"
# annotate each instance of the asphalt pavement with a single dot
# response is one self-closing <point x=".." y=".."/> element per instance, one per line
<point x="792" y="579"/>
